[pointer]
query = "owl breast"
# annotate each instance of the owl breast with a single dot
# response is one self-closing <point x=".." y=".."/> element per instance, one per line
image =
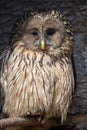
<point x="29" y="83"/>
<point x="32" y="82"/>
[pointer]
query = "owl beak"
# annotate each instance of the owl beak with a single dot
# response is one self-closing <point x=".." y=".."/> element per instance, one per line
<point x="42" y="44"/>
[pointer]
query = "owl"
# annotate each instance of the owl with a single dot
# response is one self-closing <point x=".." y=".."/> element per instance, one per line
<point x="36" y="74"/>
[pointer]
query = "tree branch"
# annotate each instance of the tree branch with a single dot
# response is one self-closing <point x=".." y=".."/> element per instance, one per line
<point x="31" y="121"/>
<point x="18" y="121"/>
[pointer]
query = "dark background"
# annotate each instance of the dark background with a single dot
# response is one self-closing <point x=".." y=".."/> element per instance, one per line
<point x="76" y="12"/>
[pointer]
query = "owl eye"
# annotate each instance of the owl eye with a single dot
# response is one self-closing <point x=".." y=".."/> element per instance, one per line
<point x="34" y="32"/>
<point x="50" y="31"/>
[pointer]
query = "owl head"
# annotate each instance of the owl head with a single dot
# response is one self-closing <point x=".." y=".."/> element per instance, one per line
<point x="46" y="31"/>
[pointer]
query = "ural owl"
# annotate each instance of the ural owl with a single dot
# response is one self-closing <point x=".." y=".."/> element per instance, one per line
<point x="36" y="73"/>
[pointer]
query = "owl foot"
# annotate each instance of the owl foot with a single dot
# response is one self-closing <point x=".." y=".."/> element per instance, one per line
<point x="39" y="115"/>
<point x="27" y="114"/>
<point x="36" y="114"/>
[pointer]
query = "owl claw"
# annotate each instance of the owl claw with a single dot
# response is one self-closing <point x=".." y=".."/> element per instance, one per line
<point x="27" y="114"/>
<point x="37" y="114"/>
<point x="40" y="116"/>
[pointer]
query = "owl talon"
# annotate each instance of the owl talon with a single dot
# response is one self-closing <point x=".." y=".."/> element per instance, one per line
<point x="37" y="114"/>
<point x="27" y="114"/>
<point x="40" y="116"/>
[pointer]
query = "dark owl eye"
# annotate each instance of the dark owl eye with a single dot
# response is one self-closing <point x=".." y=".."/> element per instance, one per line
<point x="34" y="32"/>
<point x="50" y="31"/>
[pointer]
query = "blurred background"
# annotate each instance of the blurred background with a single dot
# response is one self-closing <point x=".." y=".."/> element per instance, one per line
<point x="76" y="12"/>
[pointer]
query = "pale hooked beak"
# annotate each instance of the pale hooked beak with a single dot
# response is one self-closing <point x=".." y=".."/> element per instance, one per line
<point x="42" y="44"/>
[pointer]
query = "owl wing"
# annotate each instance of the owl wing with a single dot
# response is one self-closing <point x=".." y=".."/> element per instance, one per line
<point x="3" y="53"/>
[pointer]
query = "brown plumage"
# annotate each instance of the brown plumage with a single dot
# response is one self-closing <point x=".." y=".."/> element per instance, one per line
<point x="36" y="75"/>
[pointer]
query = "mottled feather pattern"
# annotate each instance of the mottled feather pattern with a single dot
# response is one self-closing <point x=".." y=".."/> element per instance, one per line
<point x="37" y="86"/>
